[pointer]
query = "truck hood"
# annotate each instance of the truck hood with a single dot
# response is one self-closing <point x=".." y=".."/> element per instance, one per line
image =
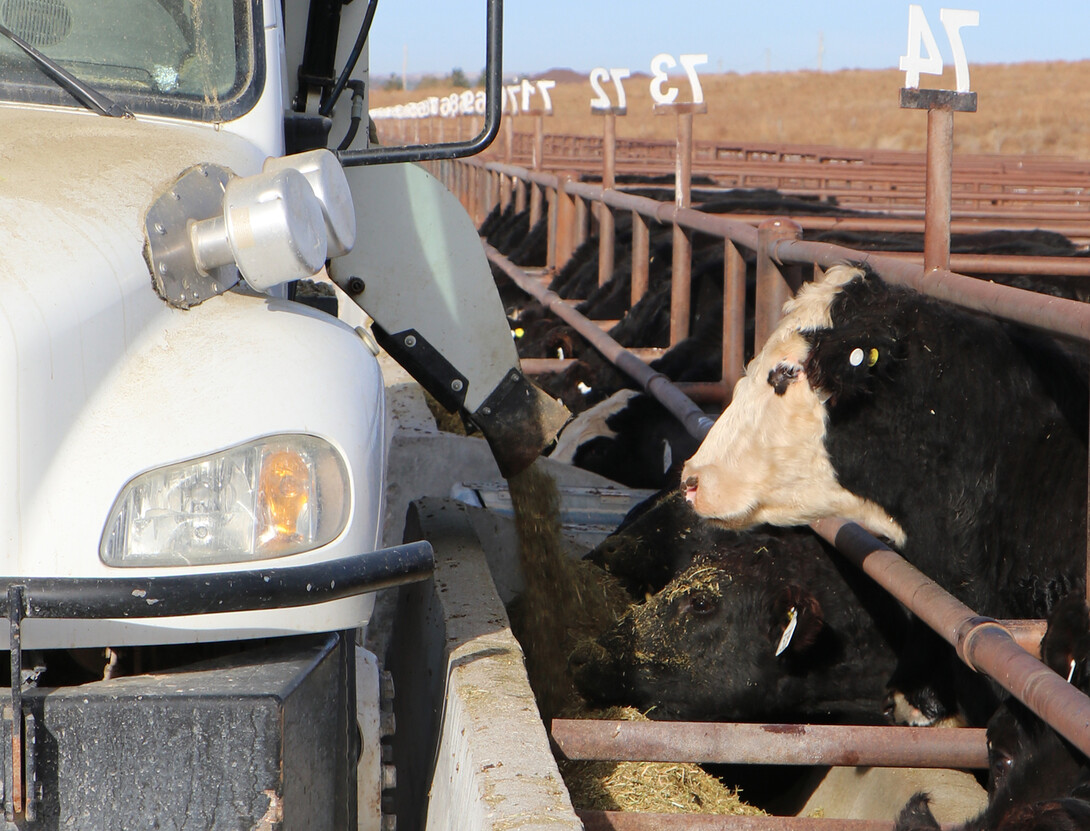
<point x="75" y="290"/>
<point x="74" y="189"/>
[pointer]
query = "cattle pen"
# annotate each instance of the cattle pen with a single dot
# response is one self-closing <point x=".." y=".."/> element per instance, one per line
<point x="1052" y="196"/>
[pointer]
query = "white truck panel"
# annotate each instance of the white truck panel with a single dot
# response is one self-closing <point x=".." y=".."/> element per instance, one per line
<point x="104" y="380"/>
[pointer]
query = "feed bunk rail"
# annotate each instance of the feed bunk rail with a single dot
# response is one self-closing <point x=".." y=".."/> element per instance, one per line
<point x="982" y="643"/>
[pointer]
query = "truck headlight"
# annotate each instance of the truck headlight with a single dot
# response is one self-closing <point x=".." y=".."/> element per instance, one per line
<point x="267" y="498"/>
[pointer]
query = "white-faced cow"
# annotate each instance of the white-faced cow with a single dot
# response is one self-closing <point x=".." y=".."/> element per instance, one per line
<point x="629" y="438"/>
<point x="960" y="438"/>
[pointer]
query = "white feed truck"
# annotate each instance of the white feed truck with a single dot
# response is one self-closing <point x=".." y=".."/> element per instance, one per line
<point x="193" y="459"/>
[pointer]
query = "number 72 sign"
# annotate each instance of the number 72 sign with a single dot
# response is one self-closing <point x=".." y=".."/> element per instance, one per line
<point x="920" y="40"/>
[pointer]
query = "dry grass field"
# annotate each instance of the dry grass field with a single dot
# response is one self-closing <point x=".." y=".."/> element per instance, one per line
<point x="1029" y="108"/>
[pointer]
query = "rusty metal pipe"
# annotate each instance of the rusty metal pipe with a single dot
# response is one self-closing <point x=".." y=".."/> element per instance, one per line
<point x="633" y="821"/>
<point x="781" y="744"/>
<point x="1064" y="317"/>
<point x="1006" y="264"/>
<point x="940" y="152"/>
<point x="695" y="420"/>
<point x="682" y="250"/>
<point x="537" y="162"/>
<point x="641" y="252"/>
<point x="741" y="233"/>
<point x="982" y="643"/>
<point x="774" y="288"/>
<point x="734" y="317"/>
<point x="565" y="223"/>
<point x="605" y="214"/>
<point x="739" y="229"/>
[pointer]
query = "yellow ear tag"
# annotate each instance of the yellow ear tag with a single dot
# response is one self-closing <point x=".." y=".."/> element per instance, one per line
<point x="872" y="357"/>
<point x="789" y="631"/>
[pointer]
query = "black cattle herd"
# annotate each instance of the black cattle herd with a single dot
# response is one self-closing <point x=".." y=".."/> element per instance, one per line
<point x="960" y="439"/>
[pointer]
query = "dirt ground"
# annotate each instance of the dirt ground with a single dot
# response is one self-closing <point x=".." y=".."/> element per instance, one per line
<point x="1028" y="108"/>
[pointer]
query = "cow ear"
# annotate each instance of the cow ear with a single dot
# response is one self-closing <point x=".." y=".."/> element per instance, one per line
<point x="847" y="365"/>
<point x="1065" y="647"/>
<point x="847" y="360"/>
<point x="796" y="620"/>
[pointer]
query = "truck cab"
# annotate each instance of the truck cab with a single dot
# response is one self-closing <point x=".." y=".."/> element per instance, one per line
<point x="194" y="460"/>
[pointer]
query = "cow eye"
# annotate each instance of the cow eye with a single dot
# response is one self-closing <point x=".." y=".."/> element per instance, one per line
<point x="1000" y="762"/>
<point x="702" y="603"/>
<point x="781" y="376"/>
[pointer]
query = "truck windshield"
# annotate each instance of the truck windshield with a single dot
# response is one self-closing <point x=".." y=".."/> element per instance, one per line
<point x="191" y="58"/>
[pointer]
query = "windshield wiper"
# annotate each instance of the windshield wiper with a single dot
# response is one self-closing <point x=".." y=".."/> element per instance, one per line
<point x="81" y="90"/>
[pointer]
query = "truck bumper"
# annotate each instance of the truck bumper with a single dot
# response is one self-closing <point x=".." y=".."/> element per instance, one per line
<point x="262" y="740"/>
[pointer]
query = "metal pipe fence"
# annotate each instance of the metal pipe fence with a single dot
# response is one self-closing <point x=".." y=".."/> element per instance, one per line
<point x="984" y="644"/>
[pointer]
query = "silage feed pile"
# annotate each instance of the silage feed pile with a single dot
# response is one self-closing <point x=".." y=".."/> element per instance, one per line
<point x="647" y="787"/>
<point x="565" y="601"/>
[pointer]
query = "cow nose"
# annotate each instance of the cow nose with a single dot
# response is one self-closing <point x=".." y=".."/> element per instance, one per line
<point x="691" y="484"/>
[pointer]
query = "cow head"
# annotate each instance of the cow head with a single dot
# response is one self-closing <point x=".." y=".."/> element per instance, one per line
<point x="712" y="644"/>
<point x="765" y="459"/>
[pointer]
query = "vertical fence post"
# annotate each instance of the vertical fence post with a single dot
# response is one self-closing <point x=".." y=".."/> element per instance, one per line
<point x="551" y="226"/>
<point x="641" y="252"/>
<point x="581" y="221"/>
<point x="491" y="192"/>
<point x="508" y="141"/>
<point x="681" y="262"/>
<point x="520" y="195"/>
<point x="565" y="221"/>
<point x="937" y="185"/>
<point x="734" y="316"/>
<point x="940" y="105"/>
<point x="775" y="282"/>
<point x="605" y="213"/>
<point x="537" y="164"/>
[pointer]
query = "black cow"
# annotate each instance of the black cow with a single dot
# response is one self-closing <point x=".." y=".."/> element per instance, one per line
<point x="758" y="625"/>
<point x="960" y="438"/>
<point x="1037" y="780"/>
<point x="655" y="542"/>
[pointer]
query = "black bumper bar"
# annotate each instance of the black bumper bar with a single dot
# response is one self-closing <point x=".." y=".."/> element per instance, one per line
<point x="198" y="594"/>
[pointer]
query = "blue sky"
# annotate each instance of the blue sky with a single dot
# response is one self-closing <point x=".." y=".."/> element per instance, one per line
<point x="735" y="34"/>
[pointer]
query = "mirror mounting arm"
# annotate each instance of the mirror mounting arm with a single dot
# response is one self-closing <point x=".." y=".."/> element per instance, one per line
<point x="456" y="149"/>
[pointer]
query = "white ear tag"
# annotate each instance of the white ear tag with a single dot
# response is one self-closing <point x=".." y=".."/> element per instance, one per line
<point x="789" y="631"/>
<point x="560" y="352"/>
<point x="1071" y="672"/>
<point x="856" y="357"/>
<point x="667" y="456"/>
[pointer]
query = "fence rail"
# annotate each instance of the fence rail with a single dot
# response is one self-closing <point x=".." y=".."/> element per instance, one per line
<point x="984" y="644"/>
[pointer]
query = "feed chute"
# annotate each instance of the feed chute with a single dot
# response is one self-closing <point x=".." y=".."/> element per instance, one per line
<point x="418" y="269"/>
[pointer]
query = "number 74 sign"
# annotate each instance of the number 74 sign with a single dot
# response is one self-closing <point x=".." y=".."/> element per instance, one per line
<point x="921" y="40"/>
